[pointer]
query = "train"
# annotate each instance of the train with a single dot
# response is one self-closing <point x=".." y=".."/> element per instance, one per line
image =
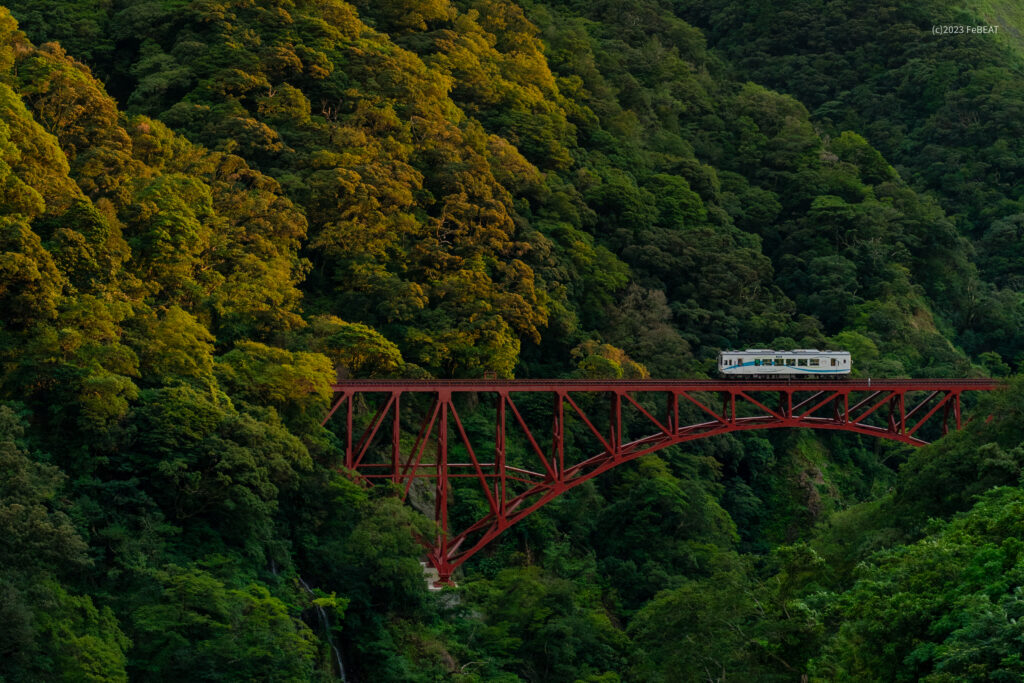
<point x="768" y="363"/>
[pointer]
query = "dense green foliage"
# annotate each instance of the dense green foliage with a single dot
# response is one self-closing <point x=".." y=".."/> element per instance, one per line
<point x="212" y="209"/>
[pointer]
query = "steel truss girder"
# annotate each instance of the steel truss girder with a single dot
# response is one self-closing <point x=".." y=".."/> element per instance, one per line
<point x="881" y="408"/>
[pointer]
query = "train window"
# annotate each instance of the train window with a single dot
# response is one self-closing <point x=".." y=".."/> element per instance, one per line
<point x="833" y="362"/>
<point x="814" y="362"/>
<point x="779" y="361"/>
<point x="739" y="361"/>
<point x="802" y="362"/>
<point x="757" y="361"/>
<point x="791" y="361"/>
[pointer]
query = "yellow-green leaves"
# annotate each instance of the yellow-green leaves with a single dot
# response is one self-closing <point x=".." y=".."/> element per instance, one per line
<point x="173" y="346"/>
<point x="355" y="349"/>
<point x="30" y="284"/>
<point x="170" y="228"/>
<point x="297" y="384"/>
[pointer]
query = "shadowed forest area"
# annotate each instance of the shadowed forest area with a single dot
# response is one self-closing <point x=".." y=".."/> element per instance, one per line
<point x="210" y="210"/>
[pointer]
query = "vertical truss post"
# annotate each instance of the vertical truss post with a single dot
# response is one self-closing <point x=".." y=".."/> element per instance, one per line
<point x="673" y="412"/>
<point x="558" y="435"/>
<point x="350" y="462"/>
<point x="945" y="417"/>
<point x="499" y="452"/>
<point x="903" y="412"/>
<point x="396" y="440"/>
<point x="441" y="563"/>
<point x="956" y="408"/>
<point x="616" y="424"/>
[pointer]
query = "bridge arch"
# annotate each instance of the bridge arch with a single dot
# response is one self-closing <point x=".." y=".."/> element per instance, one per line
<point x="671" y="411"/>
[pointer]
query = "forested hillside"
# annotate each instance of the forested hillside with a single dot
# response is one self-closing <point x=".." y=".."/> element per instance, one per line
<point x="213" y="209"/>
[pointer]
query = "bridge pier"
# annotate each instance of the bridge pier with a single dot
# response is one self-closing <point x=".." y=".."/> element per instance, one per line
<point x="443" y="569"/>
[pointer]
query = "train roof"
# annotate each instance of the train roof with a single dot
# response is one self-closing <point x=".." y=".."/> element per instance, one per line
<point x="795" y="351"/>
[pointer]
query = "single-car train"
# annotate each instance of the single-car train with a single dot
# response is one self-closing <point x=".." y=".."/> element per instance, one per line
<point x="767" y="363"/>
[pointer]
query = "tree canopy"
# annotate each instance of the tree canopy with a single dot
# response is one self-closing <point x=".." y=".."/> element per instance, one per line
<point x="214" y="210"/>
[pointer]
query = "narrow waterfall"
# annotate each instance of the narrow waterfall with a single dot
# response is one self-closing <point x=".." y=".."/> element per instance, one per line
<point x="326" y="623"/>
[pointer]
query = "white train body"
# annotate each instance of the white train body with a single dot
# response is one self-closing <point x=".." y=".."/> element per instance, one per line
<point x="796" y="363"/>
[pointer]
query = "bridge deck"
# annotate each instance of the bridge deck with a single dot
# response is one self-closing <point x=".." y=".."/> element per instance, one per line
<point x="501" y="385"/>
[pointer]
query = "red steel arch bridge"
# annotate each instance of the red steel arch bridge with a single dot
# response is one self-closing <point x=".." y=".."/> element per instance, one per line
<point x="573" y="430"/>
